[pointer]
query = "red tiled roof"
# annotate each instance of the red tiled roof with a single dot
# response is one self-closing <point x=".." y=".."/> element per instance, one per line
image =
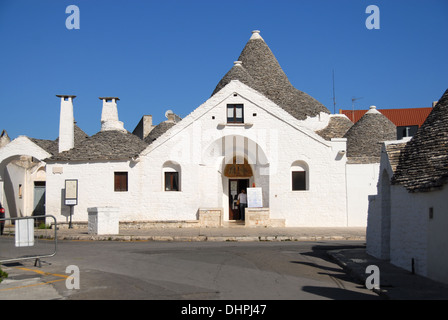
<point x="400" y="117"/>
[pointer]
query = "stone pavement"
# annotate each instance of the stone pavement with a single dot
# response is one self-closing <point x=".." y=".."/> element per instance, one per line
<point x="395" y="283"/>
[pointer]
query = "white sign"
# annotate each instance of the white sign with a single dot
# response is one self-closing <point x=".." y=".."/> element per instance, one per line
<point x="71" y="192"/>
<point x="254" y="198"/>
<point x="24" y="233"/>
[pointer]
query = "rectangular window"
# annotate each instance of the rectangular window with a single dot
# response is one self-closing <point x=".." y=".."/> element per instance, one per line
<point x="171" y="181"/>
<point x="235" y="113"/>
<point x="298" y="180"/>
<point x="121" y="181"/>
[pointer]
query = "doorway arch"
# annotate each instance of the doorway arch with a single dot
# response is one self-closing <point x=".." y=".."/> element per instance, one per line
<point x="240" y="159"/>
<point x="21" y="160"/>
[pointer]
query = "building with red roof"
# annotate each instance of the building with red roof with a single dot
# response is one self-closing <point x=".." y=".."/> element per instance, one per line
<point x="407" y="120"/>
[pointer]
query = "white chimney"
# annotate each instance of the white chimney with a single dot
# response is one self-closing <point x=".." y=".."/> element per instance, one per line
<point x="109" y="115"/>
<point x="66" y="123"/>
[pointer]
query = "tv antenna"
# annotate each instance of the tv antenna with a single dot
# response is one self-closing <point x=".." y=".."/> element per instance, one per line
<point x="353" y="107"/>
<point x="334" y="96"/>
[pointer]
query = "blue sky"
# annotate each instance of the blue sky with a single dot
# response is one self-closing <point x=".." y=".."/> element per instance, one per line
<point x="160" y="55"/>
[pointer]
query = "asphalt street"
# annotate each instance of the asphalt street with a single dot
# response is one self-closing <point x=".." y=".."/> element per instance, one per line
<point x="186" y="271"/>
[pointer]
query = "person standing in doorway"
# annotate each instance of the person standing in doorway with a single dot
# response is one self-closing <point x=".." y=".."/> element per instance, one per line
<point x="242" y="199"/>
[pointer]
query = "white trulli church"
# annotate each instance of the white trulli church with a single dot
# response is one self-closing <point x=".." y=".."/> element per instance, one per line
<point x="301" y="165"/>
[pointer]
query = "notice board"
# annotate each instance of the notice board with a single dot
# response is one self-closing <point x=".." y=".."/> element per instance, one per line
<point x="254" y="198"/>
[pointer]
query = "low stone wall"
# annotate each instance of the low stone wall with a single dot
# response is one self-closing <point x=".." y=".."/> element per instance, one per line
<point x="135" y="225"/>
<point x="260" y="217"/>
<point x="207" y="218"/>
<point x="211" y="217"/>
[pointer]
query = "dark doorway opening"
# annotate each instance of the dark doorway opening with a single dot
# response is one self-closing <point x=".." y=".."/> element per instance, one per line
<point x="235" y="187"/>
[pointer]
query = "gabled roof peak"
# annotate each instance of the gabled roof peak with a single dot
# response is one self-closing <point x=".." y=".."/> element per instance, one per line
<point x="260" y="70"/>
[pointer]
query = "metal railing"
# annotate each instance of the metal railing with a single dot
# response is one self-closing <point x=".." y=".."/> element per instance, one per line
<point x="27" y="238"/>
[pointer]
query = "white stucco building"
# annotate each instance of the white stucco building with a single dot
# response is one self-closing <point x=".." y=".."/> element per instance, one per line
<point x="408" y="217"/>
<point x="255" y="130"/>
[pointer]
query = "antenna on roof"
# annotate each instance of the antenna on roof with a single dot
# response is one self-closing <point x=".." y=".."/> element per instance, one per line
<point x="334" y="96"/>
<point x="353" y="107"/>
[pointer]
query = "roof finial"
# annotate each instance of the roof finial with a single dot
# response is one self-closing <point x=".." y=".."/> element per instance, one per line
<point x="256" y="35"/>
<point x="372" y="109"/>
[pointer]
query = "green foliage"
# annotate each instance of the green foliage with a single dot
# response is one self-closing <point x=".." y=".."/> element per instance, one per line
<point x="3" y="275"/>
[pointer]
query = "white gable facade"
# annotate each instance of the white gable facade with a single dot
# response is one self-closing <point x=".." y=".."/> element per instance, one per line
<point x="198" y="148"/>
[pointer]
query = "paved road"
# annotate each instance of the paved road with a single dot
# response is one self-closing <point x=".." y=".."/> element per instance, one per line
<point x="188" y="270"/>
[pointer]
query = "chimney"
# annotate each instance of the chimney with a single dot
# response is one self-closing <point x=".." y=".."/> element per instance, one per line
<point x="109" y="115"/>
<point x="66" y="123"/>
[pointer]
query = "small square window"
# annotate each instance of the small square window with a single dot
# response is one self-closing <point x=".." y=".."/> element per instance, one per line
<point x="120" y="181"/>
<point x="235" y="113"/>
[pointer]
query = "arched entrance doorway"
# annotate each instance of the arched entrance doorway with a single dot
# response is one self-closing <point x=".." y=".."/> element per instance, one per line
<point x="241" y="162"/>
<point x="22" y="178"/>
<point x="239" y="175"/>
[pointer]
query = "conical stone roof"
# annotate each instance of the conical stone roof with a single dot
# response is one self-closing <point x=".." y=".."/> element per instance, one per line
<point x="365" y="137"/>
<point x="104" y="145"/>
<point x="337" y="127"/>
<point x="267" y="77"/>
<point x="159" y="130"/>
<point x="238" y="72"/>
<point x="423" y="163"/>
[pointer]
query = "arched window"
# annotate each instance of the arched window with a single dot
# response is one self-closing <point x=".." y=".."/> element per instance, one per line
<point x="171" y="176"/>
<point x="299" y="176"/>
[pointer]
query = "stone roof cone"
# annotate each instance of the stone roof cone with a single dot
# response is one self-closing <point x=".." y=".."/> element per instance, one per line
<point x="423" y="163"/>
<point x="364" y="138"/>
<point x="238" y="72"/>
<point x="267" y="77"/>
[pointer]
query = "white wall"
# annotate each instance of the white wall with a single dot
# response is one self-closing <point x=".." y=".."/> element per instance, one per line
<point x="95" y="189"/>
<point x="438" y="237"/>
<point x="414" y="236"/>
<point x="409" y="229"/>
<point x="362" y="181"/>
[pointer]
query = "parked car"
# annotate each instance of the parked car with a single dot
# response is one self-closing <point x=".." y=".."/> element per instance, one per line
<point x="2" y="216"/>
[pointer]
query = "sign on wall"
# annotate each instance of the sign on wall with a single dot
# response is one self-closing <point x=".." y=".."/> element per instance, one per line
<point x="254" y="198"/>
<point x="71" y="192"/>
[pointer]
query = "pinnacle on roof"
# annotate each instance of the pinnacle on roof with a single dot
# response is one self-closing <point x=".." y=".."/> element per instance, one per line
<point x="364" y="138"/>
<point x="423" y="164"/>
<point x="267" y="77"/>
